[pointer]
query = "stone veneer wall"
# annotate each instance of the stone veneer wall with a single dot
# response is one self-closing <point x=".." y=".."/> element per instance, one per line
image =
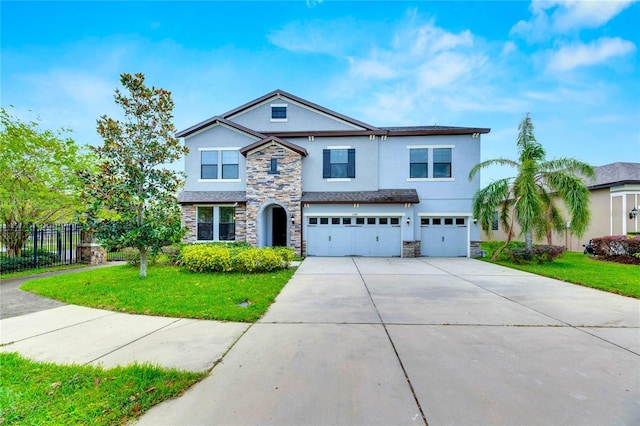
<point x="475" y="248"/>
<point x="410" y="248"/>
<point x="284" y="189"/>
<point x="190" y="220"/>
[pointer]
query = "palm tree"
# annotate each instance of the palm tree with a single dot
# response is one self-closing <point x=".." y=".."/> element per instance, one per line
<point x="530" y="199"/>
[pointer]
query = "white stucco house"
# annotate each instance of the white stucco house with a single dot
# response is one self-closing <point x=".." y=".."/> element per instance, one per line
<point x="283" y="171"/>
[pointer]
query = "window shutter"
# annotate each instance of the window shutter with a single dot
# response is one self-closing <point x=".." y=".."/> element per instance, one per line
<point x="351" y="166"/>
<point x="326" y="163"/>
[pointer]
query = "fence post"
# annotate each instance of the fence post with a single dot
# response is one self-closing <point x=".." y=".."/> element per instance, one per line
<point x="35" y="246"/>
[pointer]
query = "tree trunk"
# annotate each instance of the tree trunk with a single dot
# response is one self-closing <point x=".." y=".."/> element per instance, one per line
<point x="528" y="241"/>
<point x="143" y="263"/>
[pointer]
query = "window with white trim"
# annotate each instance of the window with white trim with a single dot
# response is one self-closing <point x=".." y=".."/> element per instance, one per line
<point x="218" y="164"/>
<point x="278" y="112"/>
<point x="215" y="223"/>
<point x="442" y="162"/>
<point x="418" y="163"/>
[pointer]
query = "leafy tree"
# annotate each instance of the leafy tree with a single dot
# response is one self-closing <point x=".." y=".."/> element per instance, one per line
<point x="38" y="177"/>
<point x="133" y="197"/>
<point x="530" y="199"/>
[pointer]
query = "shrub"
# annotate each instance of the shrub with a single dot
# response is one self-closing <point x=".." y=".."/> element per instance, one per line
<point x="240" y="257"/>
<point x="132" y="256"/>
<point x="520" y="255"/>
<point x="25" y="261"/>
<point x="206" y="258"/>
<point x="616" y="245"/>
<point x="545" y="253"/>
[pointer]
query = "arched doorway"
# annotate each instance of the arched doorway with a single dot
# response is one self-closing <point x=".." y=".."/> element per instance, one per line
<point x="278" y="227"/>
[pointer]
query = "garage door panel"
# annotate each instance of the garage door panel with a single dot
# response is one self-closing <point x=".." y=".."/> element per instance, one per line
<point x="353" y="236"/>
<point x="444" y="237"/>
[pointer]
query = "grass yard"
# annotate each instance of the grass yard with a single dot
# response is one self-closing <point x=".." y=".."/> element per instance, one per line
<point x="38" y="393"/>
<point x="167" y="291"/>
<point x="582" y="269"/>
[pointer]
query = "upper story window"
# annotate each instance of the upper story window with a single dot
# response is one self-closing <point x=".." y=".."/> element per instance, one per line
<point x="278" y="112"/>
<point x="273" y="167"/>
<point x="442" y="162"/>
<point x="431" y="162"/>
<point x="216" y="164"/>
<point x="339" y="163"/>
<point x="419" y="163"/>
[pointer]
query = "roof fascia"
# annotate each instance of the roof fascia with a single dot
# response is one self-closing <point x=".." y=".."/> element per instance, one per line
<point x="257" y="146"/>
<point x="217" y="120"/>
<point x="281" y="94"/>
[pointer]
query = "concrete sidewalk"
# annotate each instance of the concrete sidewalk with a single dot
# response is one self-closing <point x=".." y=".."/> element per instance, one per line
<point x="415" y="341"/>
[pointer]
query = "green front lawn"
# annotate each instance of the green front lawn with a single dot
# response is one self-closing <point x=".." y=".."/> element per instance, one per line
<point x="167" y="291"/>
<point x="583" y="269"/>
<point x="36" y="393"/>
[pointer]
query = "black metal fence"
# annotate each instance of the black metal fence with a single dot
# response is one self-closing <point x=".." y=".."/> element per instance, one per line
<point x="38" y="246"/>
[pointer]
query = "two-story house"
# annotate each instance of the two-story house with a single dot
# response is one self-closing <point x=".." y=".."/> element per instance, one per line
<point x="282" y="171"/>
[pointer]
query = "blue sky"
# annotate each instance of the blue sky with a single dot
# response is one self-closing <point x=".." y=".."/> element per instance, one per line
<point x="573" y="65"/>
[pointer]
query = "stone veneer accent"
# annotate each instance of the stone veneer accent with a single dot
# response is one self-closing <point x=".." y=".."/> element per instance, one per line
<point x="410" y="248"/>
<point x="265" y="189"/>
<point x="474" y="247"/>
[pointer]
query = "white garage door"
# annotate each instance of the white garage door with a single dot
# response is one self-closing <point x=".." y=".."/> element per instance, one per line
<point x="444" y="236"/>
<point x="353" y="236"/>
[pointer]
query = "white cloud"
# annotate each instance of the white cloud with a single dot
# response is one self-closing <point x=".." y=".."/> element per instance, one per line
<point x="550" y="18"/>
<point x="597" y="52"/>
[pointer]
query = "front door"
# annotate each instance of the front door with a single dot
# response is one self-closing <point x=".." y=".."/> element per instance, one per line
<point x="279" y="227"/>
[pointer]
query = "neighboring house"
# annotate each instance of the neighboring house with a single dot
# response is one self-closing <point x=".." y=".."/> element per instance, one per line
<point x="282" y="171"/>
<point x="613" y="194"/>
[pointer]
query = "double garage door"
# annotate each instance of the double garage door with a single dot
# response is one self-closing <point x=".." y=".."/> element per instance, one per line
<point x="353" y="236"/>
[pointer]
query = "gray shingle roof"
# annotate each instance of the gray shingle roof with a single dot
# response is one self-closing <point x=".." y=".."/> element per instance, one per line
<point x="187" y="197"/>
<point x="615" y="174"/>
<point x="382" y="196"/>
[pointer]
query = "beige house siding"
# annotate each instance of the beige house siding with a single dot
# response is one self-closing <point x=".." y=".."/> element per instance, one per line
<point x="609" y="208"/>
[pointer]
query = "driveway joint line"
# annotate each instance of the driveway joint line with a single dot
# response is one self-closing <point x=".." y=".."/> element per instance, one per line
<point x="575" y="327"/>
<point x="133" y="341"/>
<point x="393" y="346"/>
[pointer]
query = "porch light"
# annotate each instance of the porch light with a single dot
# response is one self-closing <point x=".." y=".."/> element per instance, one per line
<point x="293" y="220"/>
<point x="408" y="221"/>
<point x="633" y="213"/>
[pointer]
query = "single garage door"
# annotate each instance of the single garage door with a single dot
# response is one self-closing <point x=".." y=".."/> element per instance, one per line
<point x="444" y="236"/>
<point x="353" y="236"/>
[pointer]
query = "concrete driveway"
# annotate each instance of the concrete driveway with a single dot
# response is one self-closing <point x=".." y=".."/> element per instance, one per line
<point x="374" y="341"/>
<point x="425" y="341"/>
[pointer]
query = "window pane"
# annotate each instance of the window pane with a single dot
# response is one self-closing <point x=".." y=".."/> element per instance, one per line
<point x="424" y="221"/>
<point x="360" y="221"/>
<point x="442" y="155"/>
<point x="371" y="221"/>
<point x="205" y="214"/>
<point x="383" y="221"/>
<point x="339" y="156"/>
<point x="448" y="221"/>
<point x="229" y="171"/>
<point x="205" y="231"/>
<point x="436" y="221"/>
<point x="227" y="226"/>
<point x="208" y="172"/>
<point x="442" y="170"/>
<point x="338" y="170"/>
<point x="324" y="221"/>
<point x="346" y="221"/>
<point x="420" y="155"/>
<point x="313" y="221"/>
<point x="279" y="112"/>
<point x="229" y="157"/>
<point x="395" y="221"/>
<point x="494" y="221"/>
<point x="459" y="221"/>
<point x="335" y="221"/>
<point x="418" y="170"/>
<point x="209" y="157"/>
